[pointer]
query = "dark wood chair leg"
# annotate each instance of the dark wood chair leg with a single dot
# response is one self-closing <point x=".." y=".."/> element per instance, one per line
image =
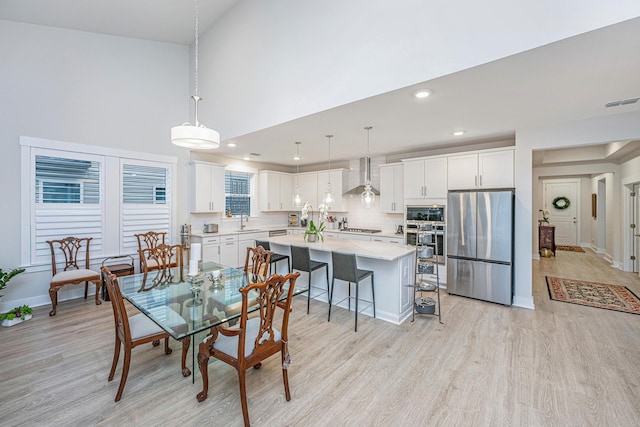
<point x="285" y="373"/>
<point x="243" y="396"/>
<point x="186" y="343"/>
<point x="86" y="289"/>
<point x="98" y="287"/>
<point x="116" y="356"/>
<point x="125" y="371"/>
<point x="53" y="294"/>
<point x="203" y="364"/>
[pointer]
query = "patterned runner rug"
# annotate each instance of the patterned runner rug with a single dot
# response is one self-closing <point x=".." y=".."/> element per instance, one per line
<point x="592" y="294"/>
<point x="569" y="248"/>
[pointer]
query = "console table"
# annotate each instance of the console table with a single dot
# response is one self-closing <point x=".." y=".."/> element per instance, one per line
<point x="547" y="238"/>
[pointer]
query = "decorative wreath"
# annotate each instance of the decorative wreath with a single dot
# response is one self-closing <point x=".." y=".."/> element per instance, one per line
<point x="561" y="203"/>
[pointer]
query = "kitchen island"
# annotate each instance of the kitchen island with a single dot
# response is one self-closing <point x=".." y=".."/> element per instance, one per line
<point x="392" y="265"/>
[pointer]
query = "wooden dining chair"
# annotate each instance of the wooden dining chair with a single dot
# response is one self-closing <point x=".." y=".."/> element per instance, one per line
<point x="253" y="340"/>
<point x="150" y="240"/>
<point x="257" y="261"/>
<point x="75" y="250"/>
<point x="162" y="258"/>
<point x="136" y="330"/>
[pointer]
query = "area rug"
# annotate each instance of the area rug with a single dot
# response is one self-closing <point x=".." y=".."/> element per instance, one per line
<point x="593" y="294"/>
<point x="569" y="248"/>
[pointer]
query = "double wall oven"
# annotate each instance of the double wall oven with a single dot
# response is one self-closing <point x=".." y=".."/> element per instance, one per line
<point x="426" y="224"/>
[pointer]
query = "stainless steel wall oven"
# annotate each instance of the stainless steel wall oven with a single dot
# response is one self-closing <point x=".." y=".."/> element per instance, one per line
<point x="430" y="221"/>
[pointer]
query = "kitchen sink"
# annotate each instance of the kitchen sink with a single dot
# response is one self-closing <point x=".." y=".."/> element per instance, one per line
<point x="247" y="230"/>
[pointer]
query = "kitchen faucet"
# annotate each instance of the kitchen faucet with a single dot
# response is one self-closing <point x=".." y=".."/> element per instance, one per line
<point x="242" y="224"/>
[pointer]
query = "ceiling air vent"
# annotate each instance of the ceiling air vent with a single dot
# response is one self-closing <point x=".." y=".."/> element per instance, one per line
<point x="622" y="102"/>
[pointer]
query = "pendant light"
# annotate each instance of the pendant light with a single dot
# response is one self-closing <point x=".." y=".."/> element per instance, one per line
<point x="297" y="194"/>
<point x="198" y="135"/>
<point x="329" y="197"/>
<point x="368" y="197"/>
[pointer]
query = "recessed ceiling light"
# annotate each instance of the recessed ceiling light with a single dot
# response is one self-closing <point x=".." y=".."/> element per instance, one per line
<point x="422" y="93"/>
<point x="231" y="144"/>
<point x="296" y="157"/>
<point x="458" y="133"/>
<point x="246" y="158"/>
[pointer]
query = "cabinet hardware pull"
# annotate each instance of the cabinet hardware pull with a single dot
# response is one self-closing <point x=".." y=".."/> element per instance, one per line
<point x="480" y="180"/>
<point x="475" y="180"/>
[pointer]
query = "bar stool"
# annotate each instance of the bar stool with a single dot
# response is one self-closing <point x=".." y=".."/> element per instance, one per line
<point x="345" y="268"/>
<point x="275" y="257"/>
<point x="301" y="260"/>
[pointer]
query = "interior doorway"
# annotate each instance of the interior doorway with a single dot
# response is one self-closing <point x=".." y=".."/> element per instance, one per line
<point x="562" y="199"/>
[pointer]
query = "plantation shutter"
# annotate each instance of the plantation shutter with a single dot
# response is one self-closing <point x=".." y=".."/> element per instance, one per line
<point x="67" y="191"/>
<point x="146" y="201"/>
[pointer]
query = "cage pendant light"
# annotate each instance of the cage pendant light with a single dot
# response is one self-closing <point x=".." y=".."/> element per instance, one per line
<point x="368" y="197"/>
<point x="297" y="193"/>
<point x="196" y="136"/>
<point x="329" y="197"/>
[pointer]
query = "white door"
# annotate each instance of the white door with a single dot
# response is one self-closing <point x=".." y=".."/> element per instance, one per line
<point x="564" y="215"/>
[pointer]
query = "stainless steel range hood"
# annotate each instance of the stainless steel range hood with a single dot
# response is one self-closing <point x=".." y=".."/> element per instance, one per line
<point x="364" y="174"/>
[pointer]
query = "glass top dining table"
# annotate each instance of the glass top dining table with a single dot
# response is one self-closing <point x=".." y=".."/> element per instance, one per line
<point x="184" y="305"/>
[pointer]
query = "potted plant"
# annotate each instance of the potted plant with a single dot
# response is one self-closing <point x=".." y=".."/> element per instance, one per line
<point x="18" y="314"/>
<point x="314" y="233"/>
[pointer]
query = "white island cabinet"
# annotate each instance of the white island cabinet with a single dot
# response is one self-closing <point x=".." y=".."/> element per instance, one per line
<point x="392" y="265"/>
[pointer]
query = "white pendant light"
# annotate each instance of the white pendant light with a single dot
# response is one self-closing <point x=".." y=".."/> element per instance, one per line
<point x="329" y="197"/>
<point x="198" y="135"/>
<point x="297" y="193"/>
<point x="368" y="197"/>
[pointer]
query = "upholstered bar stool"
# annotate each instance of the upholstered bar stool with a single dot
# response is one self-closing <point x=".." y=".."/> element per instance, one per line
<point x="345" y="268"/>
<point x="275" y="257"/>
<point x="301" y="261"/>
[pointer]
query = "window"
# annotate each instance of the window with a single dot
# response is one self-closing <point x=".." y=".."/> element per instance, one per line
<point x="89" y="191"/>
<point x="237" y="191"/>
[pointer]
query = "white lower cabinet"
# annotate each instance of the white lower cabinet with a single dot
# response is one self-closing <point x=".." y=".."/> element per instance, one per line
<point x="229" y="250"/>
<point x="248" y="240"/>
<point x="210" y="247"/>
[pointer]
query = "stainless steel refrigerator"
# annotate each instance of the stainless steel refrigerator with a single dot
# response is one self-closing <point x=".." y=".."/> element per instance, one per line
<point x="480" y="244"/>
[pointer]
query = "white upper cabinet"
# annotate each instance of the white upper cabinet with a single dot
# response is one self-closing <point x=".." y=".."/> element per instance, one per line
<point x="392" y="188"/>
<point x="339" y="181"/>
<point x="308" y="187"/>
<point x="489" y="169"/>
<point x="425" y="178"/>
<point x="207" y="187"/>
<point x="276" y="191"/>
<point x="313" y="186"/>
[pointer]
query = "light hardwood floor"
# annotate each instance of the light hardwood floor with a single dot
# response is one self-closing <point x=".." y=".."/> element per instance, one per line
<point x="488" y="365"/>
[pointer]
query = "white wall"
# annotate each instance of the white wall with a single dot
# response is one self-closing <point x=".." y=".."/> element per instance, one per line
<point x="269" y="62"/>
<point x="84" y="88"/>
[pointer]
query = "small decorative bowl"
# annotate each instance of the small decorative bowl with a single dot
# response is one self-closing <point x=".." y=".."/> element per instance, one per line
<point x="546" y="252"/>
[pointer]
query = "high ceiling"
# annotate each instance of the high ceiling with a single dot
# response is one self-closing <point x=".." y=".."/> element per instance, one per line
<point x="571" y="79"/>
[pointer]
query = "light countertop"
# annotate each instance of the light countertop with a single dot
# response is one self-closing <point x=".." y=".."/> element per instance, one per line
<point x="361" y="248"/>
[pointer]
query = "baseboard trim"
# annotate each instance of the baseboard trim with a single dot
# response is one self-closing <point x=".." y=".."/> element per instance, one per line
<point x="524" y="302"/>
